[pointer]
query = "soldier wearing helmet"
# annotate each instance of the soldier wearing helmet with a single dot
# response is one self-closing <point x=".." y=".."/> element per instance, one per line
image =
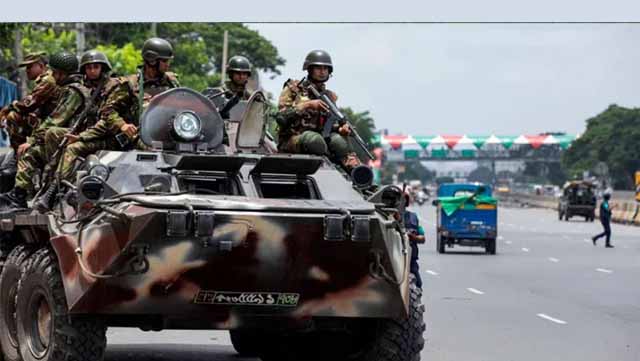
<point x="34" y="154"/>
<point x="301" y="118"/>
<point x="233" y="90"/>
<point x="119" y="113"/>
<point x="95" y="69"/>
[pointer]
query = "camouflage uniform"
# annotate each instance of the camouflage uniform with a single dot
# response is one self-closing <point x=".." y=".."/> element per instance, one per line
<point x="301" y="130"/>
<point x="71" y="104"/>
<point x="55" y="135"/>
<point x="25" y="115"/>
<point x="122" y="105"/>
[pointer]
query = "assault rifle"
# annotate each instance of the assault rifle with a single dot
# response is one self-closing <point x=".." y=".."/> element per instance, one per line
<point x="337" y="116"/>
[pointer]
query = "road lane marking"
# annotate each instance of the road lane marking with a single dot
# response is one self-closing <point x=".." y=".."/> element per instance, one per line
<point x="508" y="242"/>
<point x="473" y="290"/>
<point x="525" y="250"/>
<point x="604" y="270"/>
<point x="588" y="240"/>
<point x="500" y="238"/>
<point x="431" y="272"/>
<point x="554" y="259"/>
<point x="549" y="318"/>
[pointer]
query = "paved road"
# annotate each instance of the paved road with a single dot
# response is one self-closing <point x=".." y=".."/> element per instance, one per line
<point x="547" y="295"/>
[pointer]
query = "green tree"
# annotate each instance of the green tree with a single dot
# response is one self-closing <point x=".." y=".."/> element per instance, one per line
<point x="198" y="45"/>
<point x="612" y="137"/>
<point x="124" y="60"/>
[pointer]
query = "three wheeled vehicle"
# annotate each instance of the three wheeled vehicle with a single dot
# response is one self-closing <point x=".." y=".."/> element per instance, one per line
<point x="578" y="199"/>
<point x="467" y="215"/>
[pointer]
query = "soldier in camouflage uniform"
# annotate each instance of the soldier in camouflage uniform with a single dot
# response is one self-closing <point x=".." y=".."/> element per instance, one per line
<point x="301" y="118"/>
<point x="24" y="115"/>
<point x="70" y="105"/>
<point x="96" y="71"/>
<point x="120" y="112"/>
<point x="232" y="91"/>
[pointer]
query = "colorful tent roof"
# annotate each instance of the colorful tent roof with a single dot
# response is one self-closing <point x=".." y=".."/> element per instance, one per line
<point x="406" y="142"/>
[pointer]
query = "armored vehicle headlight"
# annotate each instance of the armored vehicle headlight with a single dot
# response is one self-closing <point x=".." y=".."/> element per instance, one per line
<point x="187" y="126"/>
<point x="99" y="170"/>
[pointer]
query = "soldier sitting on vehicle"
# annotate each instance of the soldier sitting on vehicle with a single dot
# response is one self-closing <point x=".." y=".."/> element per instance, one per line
<point x="34" y="152"/>
<point x="22" y="116"/>
<point x="301" y="117"/>
<point x="95" y="69"/>
<point x="233" y="90"/>
<point x="117" y="127"/>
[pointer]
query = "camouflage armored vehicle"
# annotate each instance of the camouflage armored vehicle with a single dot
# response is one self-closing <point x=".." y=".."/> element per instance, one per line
<point x="295" y="258"/>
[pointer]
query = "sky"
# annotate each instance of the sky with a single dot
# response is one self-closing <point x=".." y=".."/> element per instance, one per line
<point x="425" y="79"/>
<point x="447" y="77"/>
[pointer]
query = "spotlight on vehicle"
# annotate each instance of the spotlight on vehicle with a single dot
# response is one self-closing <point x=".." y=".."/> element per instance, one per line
<point x="187" y="126"/>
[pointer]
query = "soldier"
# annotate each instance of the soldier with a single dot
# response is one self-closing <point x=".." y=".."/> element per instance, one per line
<point x="24" y="115"/>
<point x="232" y="91"/>
<point x="95" y="69"/>
<point x="117" y="127"/>
<point x="301" y="118"/>
<point x="70" y="105"/>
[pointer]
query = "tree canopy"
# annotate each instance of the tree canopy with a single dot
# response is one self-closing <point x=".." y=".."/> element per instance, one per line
<point x="198" y="46"/>
<point x="612" y="137"/>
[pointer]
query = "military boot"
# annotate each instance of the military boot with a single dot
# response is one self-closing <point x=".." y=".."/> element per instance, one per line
<point x="13" y="200"/>
<point x="43" y="203"/>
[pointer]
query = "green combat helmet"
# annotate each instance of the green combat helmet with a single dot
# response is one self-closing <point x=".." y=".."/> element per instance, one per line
<point x="94" y="57"/>
<point x="64" y="61"/>
<point x="156" y="48"/>
<point x="240" y="64"/>
<point x="318" y="57"/>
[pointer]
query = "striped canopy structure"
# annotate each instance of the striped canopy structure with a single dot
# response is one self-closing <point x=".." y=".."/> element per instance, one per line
<point x="467" y="145"/>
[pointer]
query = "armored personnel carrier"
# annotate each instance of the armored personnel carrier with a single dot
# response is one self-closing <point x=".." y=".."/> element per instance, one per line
<point x="296" y="258"/>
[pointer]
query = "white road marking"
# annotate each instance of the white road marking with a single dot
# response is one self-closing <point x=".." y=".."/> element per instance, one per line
<point x="500" y="238"/>
<point x="588" y="240"/>
<point x="554" y="259"/>
<point x="508" y="242"/>
<point x="525" y="250"/>
<point x="549" y="318"/>
<point x="431" y="272"/>
<point x="604" y="270"/>
<point x="473" y="290"/>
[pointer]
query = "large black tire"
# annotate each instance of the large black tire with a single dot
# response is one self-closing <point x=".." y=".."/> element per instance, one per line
<point x="440" y="244"/>
<point x="45" y="330"/>
<point x="490" y="246"/>
<point x="401" y="339"/>
<point x="398" y="339"/>
<point x="11" y="273"/>
<point x="245" y="342"/>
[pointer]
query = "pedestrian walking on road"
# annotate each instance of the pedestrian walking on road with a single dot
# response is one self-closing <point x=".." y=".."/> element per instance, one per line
<point x="605" y="219"/>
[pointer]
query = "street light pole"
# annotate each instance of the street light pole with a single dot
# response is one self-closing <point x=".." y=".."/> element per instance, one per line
<point x="225" y="44"/>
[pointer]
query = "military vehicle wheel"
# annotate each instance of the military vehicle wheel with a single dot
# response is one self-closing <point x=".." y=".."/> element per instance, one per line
<point x="440" y="244"/>
<point x="401" y="339"/>
<point x="490" y="246"/>
<point x="566" y="217"/>
<point x="11" y="272"/>
<point x="245" y="342"/>
<point x="45" y="330"/>
<point x="398" y="339"/>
